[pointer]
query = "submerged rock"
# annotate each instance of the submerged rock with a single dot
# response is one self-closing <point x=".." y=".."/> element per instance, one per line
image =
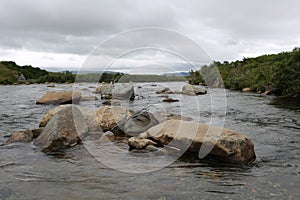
<point x="162" y="116"/>
<point x="228" y="147"/>
<point x="140" y="143"/>
<point x="57" y="98"/>
<point x="63" y="130"/>
<point x="21" y="136"/>
<point x="88" y="98"/>
<point x="24" y="135"/>
<point x="169" y="99"/>
<point x="165" y="90"/>
<point x="192" y="90"/>
<point x="112" y="102"/>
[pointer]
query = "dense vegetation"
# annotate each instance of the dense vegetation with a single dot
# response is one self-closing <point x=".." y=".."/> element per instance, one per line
<point x="279" y="73"/>
<point x="11" y="73"/>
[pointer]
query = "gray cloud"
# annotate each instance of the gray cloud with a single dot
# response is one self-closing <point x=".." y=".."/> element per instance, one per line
<point x="226" y="29"/>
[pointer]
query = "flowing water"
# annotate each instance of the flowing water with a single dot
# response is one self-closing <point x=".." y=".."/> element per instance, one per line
<point x="273" y="125"/>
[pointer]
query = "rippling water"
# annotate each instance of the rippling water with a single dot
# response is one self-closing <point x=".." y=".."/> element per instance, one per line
<point x="273" y="126"/>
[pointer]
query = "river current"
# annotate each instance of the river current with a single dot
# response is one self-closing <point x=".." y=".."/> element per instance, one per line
<point x="271" y="123"/>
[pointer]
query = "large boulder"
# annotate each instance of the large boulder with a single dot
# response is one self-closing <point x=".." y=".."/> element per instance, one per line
<point x="57" y="98"/>
<point x="46" y="118"/>
<point x="88" y="114"/>
<point x="112" y="118"/>
<point x="119" y="91"/>
<point x="229" y="146"/>
<point x="191" y="90"/>
<point x="65" y="129"/>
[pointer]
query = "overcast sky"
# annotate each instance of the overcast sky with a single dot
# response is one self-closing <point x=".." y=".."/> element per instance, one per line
<point x="62" y="33"/>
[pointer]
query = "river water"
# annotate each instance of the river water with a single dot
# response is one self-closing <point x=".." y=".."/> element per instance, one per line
<point x="273" y="125"/>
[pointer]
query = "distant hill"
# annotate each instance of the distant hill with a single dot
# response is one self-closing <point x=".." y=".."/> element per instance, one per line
<point x="177" y="74"/>
<point x="11" y="73"/>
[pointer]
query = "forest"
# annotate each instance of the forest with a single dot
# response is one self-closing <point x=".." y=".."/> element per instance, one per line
<point x="278" y="73"/>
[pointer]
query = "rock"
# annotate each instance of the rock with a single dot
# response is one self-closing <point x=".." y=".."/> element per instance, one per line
<point x="49" y="115"/>
<point x="21" y="136"/>
<point x="24" y="135"/>
<point x="102" y="88"/>
<point x="168" y="99"/>
<point x="188" y="89"/>
<point x="109" y="136"/>
<point x="112" y="118"/>
<point x="36" y="132"/>
<point x="91" y="86"/>
<point x="139" y="87"/>
<point x="177" y="92"/>
<point x="246" y="90"/>
<point x="57" y="98"/>
<point x="112" y="103"/>
<point x="90" y="118"/>
<point x="165" y="90"/>
<point x="88" y="98"/>
<point x="137" y="143"/>
<point x="64" y="130"/>
<point x="229" y="147"/>
<point x="163" y="116"/>
<point x="153" y="85"/>
<point x="268" y="92"/>
<point x="119" y="91"/>
<point x="164" y="96"/>
<point x="88" y="114"/>
<point x="138" y="123"/>
<point x="51" y="85"/>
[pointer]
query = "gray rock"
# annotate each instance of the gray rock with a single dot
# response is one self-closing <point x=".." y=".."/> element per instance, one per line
<point x="119" y="91"/>
<point x="192" y="90"/>
<point x="138" y="123"/>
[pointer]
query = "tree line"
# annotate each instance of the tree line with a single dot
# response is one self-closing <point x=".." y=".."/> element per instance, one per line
<point x="279" y="73"/>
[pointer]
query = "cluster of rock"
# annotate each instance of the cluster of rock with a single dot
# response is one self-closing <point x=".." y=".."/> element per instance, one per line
<point x="187" y="89"/>
<point x="68" y="125"/>
<point x="117" y="91"/>
<point x="267" y="92"/>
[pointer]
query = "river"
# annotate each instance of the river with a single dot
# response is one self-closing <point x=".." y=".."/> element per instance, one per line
<point x="273" y="125"/>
